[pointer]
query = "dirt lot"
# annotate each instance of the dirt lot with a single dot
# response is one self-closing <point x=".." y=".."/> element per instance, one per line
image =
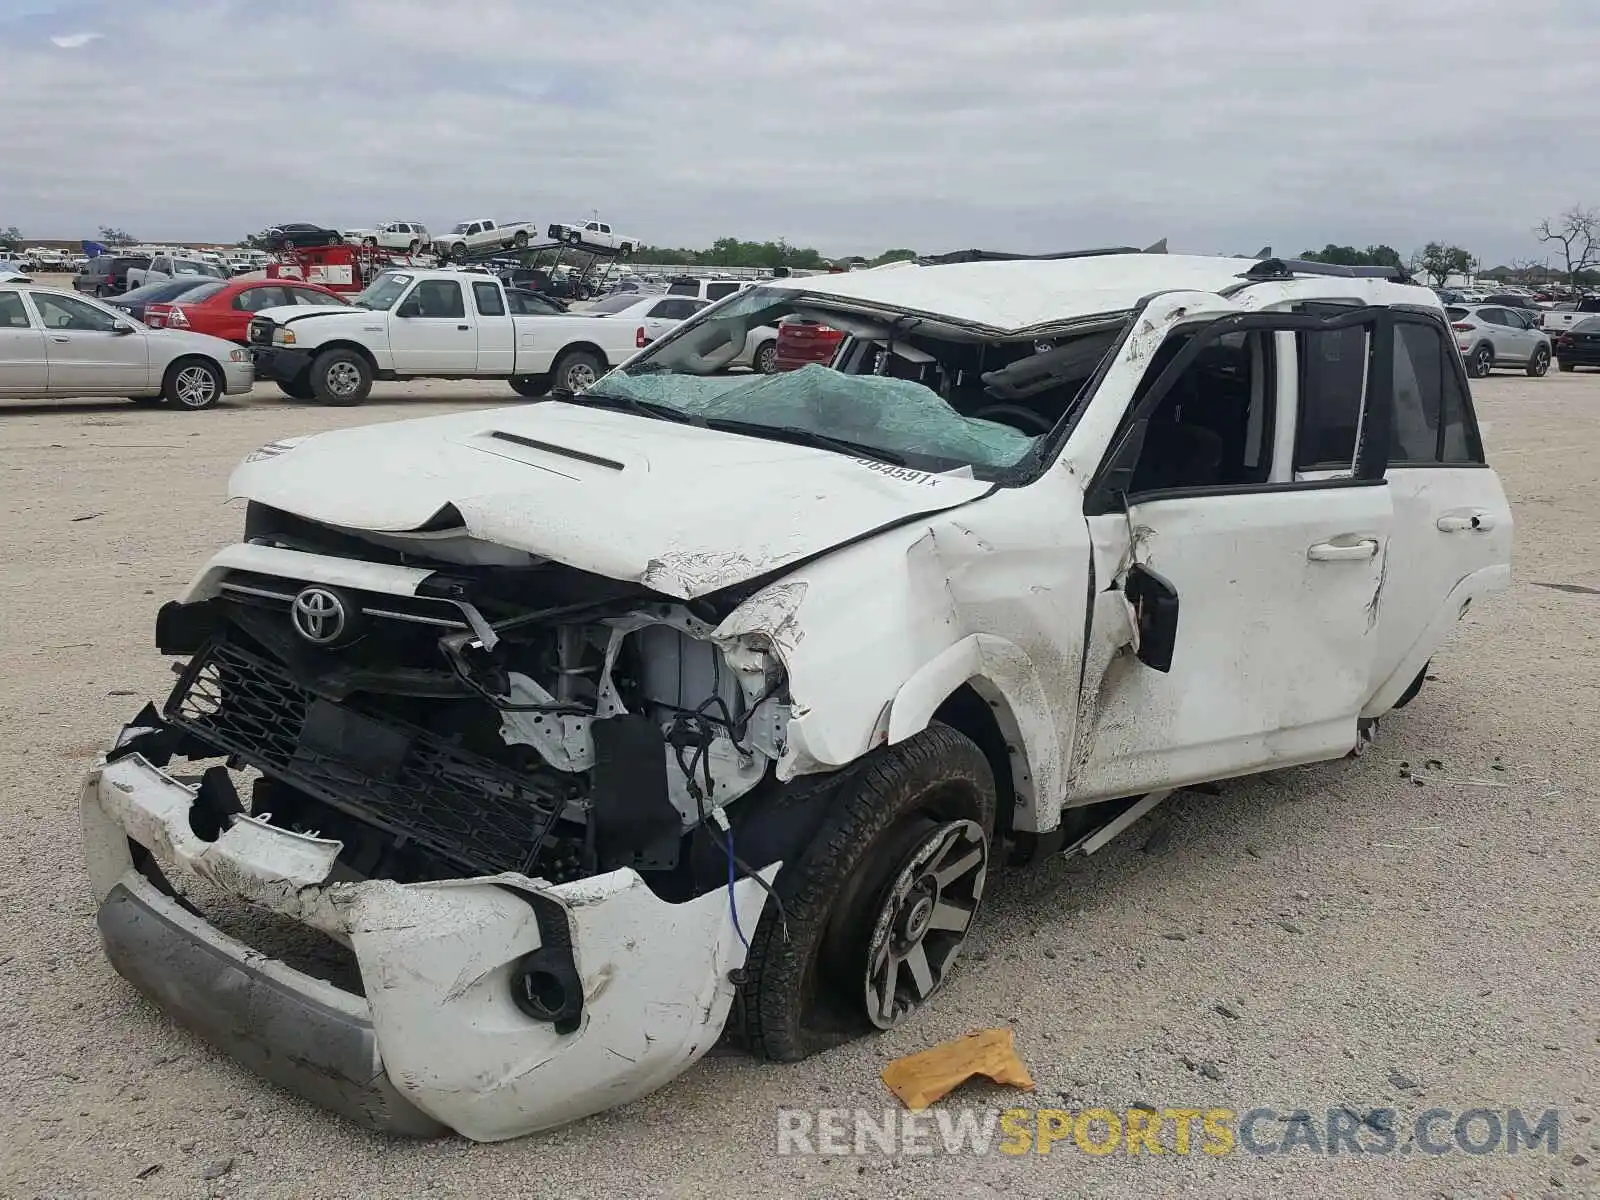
<point x="1363" y="931"/>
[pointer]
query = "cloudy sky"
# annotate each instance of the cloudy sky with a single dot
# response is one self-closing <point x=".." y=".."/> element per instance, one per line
<point x="849" y="125"/>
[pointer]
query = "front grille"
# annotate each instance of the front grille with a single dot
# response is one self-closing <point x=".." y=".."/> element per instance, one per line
<point x="471" y="811"/>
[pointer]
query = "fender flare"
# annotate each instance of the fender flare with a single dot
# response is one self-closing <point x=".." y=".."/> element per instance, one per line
<point x="1003" y="675"/>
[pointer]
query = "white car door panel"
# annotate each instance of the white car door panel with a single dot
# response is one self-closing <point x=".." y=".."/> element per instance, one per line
<point x="24" y="369"/>
<point x="497" y="346"/>
<point x="1276" y="636"/>
<point x="1266" y="585"/>
<point x="1452" y="520"/>
<point x="90" y="351"/>
<point x="431" y="332"/>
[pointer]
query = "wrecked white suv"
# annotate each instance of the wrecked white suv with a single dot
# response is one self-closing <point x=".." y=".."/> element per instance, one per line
<point x="578" y="731"/>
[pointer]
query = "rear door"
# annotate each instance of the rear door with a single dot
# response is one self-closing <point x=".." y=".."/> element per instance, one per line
<point x="24" y="369"/>
<point x="1273" y="577"/>
<point x="497" y="338"/>
<point x="1452" y="536"/>
<point x="87" y="355"/>
<point x="431" y="333"/>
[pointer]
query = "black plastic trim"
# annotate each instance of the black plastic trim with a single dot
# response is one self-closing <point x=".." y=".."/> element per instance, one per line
<point x="563" y="451"/>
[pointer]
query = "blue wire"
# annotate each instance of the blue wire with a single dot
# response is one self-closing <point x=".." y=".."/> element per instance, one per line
<point x="733" y="906"/>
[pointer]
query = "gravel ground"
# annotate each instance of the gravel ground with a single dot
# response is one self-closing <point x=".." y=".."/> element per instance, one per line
<point x="1374" y="940"/>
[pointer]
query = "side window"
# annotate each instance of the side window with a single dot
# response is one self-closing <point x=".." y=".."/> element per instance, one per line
<point x="256" y="299"/>
<point x="487" y="297"/>
<point x="716" y="291"/>
<point x="439" y="298"/>
<point x="1494" y="316"/>
<point x="1333" y="379"/>
<point x="64" y="312"/>
<point x="1461" y="442"/>
<point x="162" y="264"/>
<point x="1213" y="429"/>
<point x="1432" y="423"/>
<point x="306" y="297"/>
<point x="12" y="314"/>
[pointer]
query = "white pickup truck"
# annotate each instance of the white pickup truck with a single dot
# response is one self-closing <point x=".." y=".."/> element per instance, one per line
<point x="434" y="325"/>
<point x="166" y="266"/>
<point x="484" y="234"/>
<point x="596" y="235"/>
<point x="1563" y="316"/>
<point x="407" y="236"/>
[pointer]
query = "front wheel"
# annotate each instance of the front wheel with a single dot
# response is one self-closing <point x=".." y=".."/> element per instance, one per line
<point x="1539" y="364"/>
<point x="765" y="360"/>
<point x="520" y="239"/>
<point x="531" y="386"/>
<point x="341" y="378"/>
<point x="877" y="906"/>
<point x="333" y="239"/>
<point x="193" y="384"/>
<point x="1482" y="362"/>
<point x="414" y="246"/>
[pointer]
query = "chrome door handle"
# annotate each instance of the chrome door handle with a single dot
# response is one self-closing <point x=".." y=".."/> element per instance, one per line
<point x="1348" y="551"/>
<point x="1476" y="520"/>
<point x="58" y="337"/>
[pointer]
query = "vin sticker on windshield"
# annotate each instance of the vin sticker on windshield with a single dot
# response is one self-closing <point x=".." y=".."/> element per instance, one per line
<point x="894" y="472"/>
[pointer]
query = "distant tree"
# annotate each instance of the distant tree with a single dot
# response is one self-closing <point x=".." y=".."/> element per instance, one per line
<point x="1577" y="232"/>
<point x="732" y="252"/>
<point x="10" y="238"/>
<point x="110" y="235"/>
<point x="889" y="256"/>
<point x="1439" y="261"/>
<point x="1349" y="256"/>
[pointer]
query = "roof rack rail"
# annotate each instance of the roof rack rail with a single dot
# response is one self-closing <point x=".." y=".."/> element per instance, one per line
<point x="971" y="256"/>
<point x="1288" y="268"/>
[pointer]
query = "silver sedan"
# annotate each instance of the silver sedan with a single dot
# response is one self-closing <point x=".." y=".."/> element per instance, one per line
<point x="56" y="343"/>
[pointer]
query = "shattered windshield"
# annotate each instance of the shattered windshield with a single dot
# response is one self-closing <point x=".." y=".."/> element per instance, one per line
<point x="909" y="390"/>
<point x="382" y="292"/>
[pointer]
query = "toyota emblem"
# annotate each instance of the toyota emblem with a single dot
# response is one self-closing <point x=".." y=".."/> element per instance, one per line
<point x="320" y="616"/>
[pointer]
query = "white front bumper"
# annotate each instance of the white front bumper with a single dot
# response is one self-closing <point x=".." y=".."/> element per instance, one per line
<point x="437" y="1032"/>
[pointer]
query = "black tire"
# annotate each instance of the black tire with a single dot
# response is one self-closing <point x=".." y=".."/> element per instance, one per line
<point x="531" y="386"/>
<point x="1539" y="364"/>
<point x="576" y="362"/>
<point x="1566" y="366"/>
<point x="765" y="360"/>
<point x="413" y="247"/>
<point x="298" y="388"/>
<point x="341" y="378"/>
<point x="574" y="237"/>
<point x="333" y="239"/>
<point x="800" y="995"/>
<point x="370" y="243"/>
<point x="193" y="384"/>
<point x="520" y="238"/>
<point x="459" y="250"/>
<point x="1482" y="361"/>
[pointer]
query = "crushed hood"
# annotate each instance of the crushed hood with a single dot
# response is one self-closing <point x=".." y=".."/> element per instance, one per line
<point x="682" y="510"/>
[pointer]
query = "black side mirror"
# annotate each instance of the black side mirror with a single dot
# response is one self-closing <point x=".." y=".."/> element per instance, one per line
<point x="1155" y="609"/>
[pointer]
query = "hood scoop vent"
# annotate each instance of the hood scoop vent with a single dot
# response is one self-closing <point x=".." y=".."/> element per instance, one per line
<point x="516" y="439"/>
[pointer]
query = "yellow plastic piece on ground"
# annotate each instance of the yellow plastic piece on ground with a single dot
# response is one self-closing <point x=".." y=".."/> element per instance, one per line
<point x="920" y="1079"/>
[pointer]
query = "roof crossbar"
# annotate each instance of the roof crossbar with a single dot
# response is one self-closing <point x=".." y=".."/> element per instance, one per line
<point x="1288" y="268"/>
<point x="971" y="256"/>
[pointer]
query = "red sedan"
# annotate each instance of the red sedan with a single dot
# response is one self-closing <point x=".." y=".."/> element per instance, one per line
<point x="801" y="342"/>
<point x="224" y="310"/>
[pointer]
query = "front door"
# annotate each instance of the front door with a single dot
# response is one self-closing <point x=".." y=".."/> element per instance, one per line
<point x="23" y="369"/>
<point x="1276" y="578"/>
<point x="431" y="334"/>
<point x="87" y="353"/>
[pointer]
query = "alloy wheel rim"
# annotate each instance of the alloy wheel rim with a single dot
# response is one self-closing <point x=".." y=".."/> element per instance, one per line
<point x="580" y="376"/>
<point x="923" y="921"/>
<point x="195" y="387"/>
